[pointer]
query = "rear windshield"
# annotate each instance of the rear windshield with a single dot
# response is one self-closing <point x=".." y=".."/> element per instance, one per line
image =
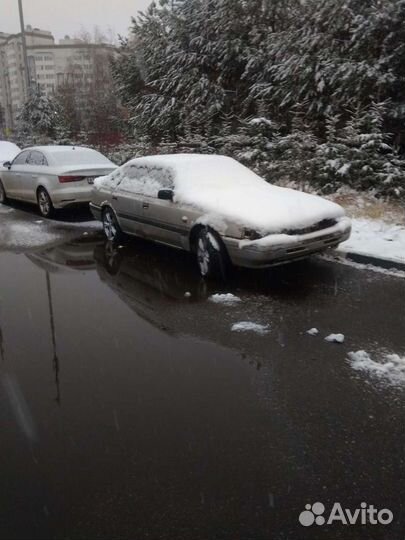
<point x="80" y="157"/>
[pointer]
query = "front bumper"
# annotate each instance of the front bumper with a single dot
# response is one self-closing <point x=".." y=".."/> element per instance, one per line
<point x="277" y="249"/>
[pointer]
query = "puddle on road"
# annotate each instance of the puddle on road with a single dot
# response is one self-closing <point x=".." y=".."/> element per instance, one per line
<point x="130" y="409"/>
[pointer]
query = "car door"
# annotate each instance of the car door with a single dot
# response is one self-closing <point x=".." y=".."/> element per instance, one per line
<point x="12" y="177"/>
<point x="164" y="221"/>
<point x="37" y="165"/>
<point x="127" y="200"/>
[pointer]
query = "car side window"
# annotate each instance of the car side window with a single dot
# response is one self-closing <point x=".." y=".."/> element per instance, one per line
<point x="21" y="159"/>
<point x="37" y="158"/>
<point x="146" y="180"/>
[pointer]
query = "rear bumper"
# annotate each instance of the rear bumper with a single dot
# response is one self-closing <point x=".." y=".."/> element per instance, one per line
<point x="96" y="211"/>
<point x="71" y="196"/>
<point x="282" y="248"/>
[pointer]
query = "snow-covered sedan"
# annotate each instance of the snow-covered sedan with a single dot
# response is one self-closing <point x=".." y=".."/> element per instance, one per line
<point x="8" y="151"/>
<point x="53" y="176"/>
<point x="216" y="208"/>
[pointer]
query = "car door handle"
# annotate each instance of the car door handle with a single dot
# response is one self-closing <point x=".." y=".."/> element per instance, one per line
<point x="145" y="205"/>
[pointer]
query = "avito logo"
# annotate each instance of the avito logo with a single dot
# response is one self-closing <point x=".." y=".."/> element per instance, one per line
<point x="365" y="515"/>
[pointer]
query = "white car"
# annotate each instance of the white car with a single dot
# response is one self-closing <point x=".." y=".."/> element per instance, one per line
<point x="8" y="151"/>
<point x="53" y="176"/>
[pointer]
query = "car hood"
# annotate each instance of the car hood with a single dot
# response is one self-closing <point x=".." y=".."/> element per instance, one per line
<point x="263" y="207"/>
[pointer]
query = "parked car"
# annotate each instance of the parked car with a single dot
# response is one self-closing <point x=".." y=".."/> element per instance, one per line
<point x="218" y="209"/>
<point x="53" y="176"/>
<point x="8" y="151"/>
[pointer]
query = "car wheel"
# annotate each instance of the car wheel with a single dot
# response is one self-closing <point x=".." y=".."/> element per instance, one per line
<point x="212" y="257"/>
<point x="44" y="203"/>
<point x="3" y="196"/>
<point x="111" y="227"/>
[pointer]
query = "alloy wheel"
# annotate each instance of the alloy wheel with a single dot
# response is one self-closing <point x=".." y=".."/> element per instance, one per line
<point x="203" y="256"/>
<point x="44" y="203"/>
<point x="109" y="226"/>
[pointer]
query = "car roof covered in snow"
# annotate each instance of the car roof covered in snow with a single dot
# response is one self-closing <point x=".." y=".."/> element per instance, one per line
<point x="202" y="169"/>
<point x="8" y="151"/>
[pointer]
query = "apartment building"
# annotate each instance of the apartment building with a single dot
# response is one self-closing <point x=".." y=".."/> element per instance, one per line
<point x="50" y="64"/>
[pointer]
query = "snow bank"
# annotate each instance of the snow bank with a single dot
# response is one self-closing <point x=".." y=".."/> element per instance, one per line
<point x="376" y="238"/>
<point x="221" y="186"/>
<point x="246" y="326"/>
<point x="335" y="338"/>
<point x="390" y="369"/>
<point x="228" y="299"/>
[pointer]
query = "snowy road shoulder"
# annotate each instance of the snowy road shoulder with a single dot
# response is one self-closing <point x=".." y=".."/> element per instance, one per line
<point x="376" y="239"/>
<point x="22" y="231"/>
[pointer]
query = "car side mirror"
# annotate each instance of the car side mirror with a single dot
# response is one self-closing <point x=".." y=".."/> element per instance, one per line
<point x="7" y="165"/>
<point x="165" y="194"/>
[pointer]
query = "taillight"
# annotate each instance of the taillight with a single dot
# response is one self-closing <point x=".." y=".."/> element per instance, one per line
<point x="66" y="179"/>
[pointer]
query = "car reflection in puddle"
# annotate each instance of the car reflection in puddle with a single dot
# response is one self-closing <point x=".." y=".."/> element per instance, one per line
<point x="154" y="400"/>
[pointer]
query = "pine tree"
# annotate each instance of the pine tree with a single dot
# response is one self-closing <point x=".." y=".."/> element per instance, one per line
<point x="40" y="116"/>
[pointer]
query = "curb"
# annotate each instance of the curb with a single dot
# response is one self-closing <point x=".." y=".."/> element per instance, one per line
<point x="386" y="264"/>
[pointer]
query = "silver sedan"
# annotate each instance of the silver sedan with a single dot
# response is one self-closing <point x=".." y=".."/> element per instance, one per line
<point x="52" y="176"/>
<point x="218" y="209"/>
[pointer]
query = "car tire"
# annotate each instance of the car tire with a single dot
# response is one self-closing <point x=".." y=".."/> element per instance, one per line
<point x="111" y="227"/>
<point x="3" y="195"/>
<point x="212" y="257"/>
<point x="45" y="205"/>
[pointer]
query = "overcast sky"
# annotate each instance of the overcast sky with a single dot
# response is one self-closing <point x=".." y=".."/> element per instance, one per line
<point x="70" y="16"/>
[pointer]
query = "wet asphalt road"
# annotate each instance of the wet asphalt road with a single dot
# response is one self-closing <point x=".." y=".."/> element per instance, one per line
<point x="129" y="410"/>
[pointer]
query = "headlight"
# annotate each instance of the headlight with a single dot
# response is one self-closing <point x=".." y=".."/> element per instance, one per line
<point x="251" y="234"/>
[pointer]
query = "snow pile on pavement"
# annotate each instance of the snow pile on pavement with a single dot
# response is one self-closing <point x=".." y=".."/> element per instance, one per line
<point x="391" y="368"/>
<point x="376" y="238"/>
<point x="19" y="234"/>
<point x="313" y="331"/>
<point x="227" y="299"/>
<point x="335" y="338"/>
<point x="220" y="185"/>
<point x="20" y="231"/>
<point x="246" y="326"/>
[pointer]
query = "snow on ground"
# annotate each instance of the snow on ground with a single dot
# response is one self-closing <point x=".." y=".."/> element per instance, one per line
<point x="376" y="238"/>
<point x="247" y="326"/>
<point x="335" y="338"/>
<point x="313" y="331"/>
<point x="23" y="231"/>
<point x="389" y="368"/>
<point x="20" y="234"/>
<point x="227" y="299"/>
